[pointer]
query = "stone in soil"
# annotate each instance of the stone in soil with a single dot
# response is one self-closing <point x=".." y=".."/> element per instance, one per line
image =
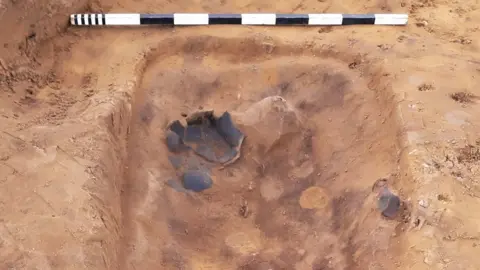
<point x="196" y="180"/>
<point x="388" y="203"/>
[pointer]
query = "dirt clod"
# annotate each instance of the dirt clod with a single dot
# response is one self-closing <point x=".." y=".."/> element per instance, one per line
<point x="425" y="87"/>
<point x="468" y="154"/>
<point x="463" y="97"/>
<point x="353" y="64"/>
<point x="443" y="197"/>
<point x="244" y="211"/>
<point x="379" y="185"/>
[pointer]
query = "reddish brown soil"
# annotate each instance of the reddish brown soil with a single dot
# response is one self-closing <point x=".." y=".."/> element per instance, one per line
<point x="345" y="139"/>
<point x="84" y="167"/>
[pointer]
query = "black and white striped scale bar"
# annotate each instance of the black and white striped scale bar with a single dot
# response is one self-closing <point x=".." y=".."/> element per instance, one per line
<point x="244" y="19"/>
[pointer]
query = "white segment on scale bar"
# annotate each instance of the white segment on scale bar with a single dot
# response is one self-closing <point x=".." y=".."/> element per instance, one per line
<point x="122" y="19"/>
<point x="85" y="18"/>
<point x="391" y="19"/>
<point x="190" y="19"/>
<point x="325" y="19"/>
<point x="259" y="19"/>
<point x="79" y="19"/>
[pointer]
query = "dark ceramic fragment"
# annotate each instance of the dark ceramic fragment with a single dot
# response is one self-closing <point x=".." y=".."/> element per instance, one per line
<point x="196" y="180"/>
<point x="176" y="161"/>
<point x="388" y="203"/>
<point x="217" y="140"/>
<point x="178" y="128"/>
<point x="174" y="143"/>
<point x="227" y="129"/>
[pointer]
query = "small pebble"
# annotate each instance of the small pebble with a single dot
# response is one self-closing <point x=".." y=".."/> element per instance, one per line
<point x="428" y="259"/>
<point x="422" y="24"/>
<point x="449" y="164"/>
<point x="196" y="180"/>
<point x="423" y="203"/>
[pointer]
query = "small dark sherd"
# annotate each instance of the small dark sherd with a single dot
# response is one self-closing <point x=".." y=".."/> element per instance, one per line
<point x="228" y="130"/>
<point x="178" y="128"/>
<point x="174" y="143"/>
<point x="176" y="161"/>
<point x="196" y="180"/>
<point x="388" y="203"/>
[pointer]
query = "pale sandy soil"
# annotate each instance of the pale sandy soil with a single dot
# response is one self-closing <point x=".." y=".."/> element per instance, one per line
<point x="84" y="167"/>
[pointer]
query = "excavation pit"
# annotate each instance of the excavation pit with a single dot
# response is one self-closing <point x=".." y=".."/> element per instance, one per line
<point x="318" y="133"/>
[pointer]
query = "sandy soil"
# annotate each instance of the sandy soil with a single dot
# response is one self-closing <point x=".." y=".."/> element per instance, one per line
<point x="327" y="111"/>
